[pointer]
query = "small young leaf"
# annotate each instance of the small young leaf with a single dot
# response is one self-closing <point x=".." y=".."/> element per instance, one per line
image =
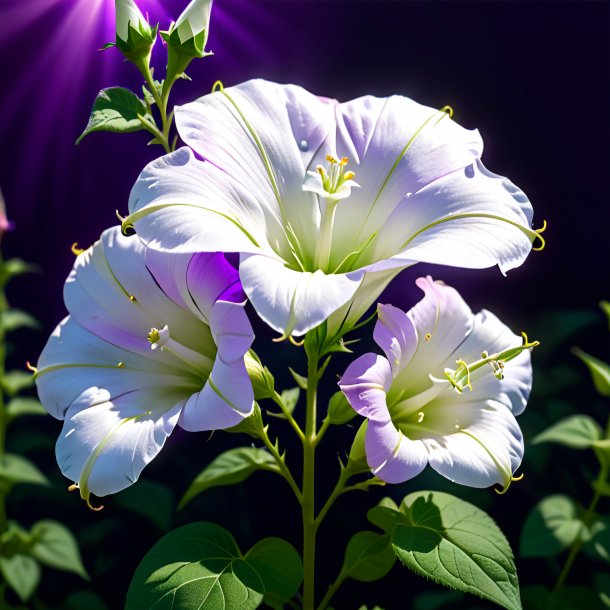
<point x="605" y="307"/>
<point x="197" y="565"/>
<point x="149" y="499"/>
<point x="577" y="431"/>
<point x="457" y="545"/>
<point x="55" y="546"/>
<point x="552" y="526"/>
<point x="598" y="544"/>
<point x="15" y="381"/>
<point x="229" y="468"/>
<point x="368" y="557"/>
<point x="17" y="469"/>
<point x="339" y="410"/>
<point x="600" y="371"/>
<point x="17" y="266"/>
<point x="21" y="573"/>
<point x="18" y="407"/>
<point x="115" y="109"/>
<point x="290" y="398"/>
<point x="279" y="566"/>
<point x="301" y="381"/>
<point x="14" y="319"/>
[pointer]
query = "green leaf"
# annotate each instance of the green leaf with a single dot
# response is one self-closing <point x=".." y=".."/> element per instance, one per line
<point x="78" y="600"/>
<point x="17" y="266"/>
<point x="15" y="381"/>
<point x="551" y="527"/>
<point x="22" y="574"/>
<point x="279" y="566"/>
<point x="290" y="398"/>
<point x="600" y="371"/>
<point x="602" y="586"/>
<point x="17" y="469"/>
<point x="339" y="410"/>
<point x="301" y="381"/>
<point x="14" y="319"/>
<point x="55" y="546"/>
<point x="18" y="407"/>
<point x="229" y="468"/>
<point x="605" y="307"/>
<point x="577" y="431"/>
<point x="368" y="557"/>
<point x="149" y="499"/>
<point x="386" y="517"/>
<point x="456" y="544"/>
<point x="597" y="545"/>
<point x="196" y="566"/>
<point x="115" y="109"/>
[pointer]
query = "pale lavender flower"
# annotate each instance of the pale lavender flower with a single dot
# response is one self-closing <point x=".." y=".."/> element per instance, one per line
<point x="326" y="202"/>
<point x="141" y="353"/>
<point x="446" y="394"/>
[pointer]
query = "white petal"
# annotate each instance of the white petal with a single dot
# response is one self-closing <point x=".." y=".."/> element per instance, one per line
<point x="486" y="450"/>
<point x="182" y="204"/>
<point x="293" y="302"/>
<point x="104" y="446"/>
<point x="396" y="335"/>
<point x="263" y="135"/>
<point x="226" y="399"/>
<point x="469" y="218"/>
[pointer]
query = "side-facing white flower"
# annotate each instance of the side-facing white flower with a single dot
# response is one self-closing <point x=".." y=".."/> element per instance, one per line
<point x="446" y="393"/>
<point x="139" y="354"/>
<point x="262" y="176"/>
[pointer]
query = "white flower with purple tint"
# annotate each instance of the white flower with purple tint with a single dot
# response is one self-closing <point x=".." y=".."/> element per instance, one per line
<point x="446" y="394"/>
<point x="152" y="341"/>
<point x="326" y="202"/>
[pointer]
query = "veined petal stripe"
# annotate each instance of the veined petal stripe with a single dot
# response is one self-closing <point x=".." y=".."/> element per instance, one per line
<point x="259" y="145"/>
<point x="85" y="494"/>
<point x="446" y="111"/>
<point x="531" y="233"/>
<point x="70" y="365"/>
<point x="221" y="395"/>
<point x="129" y="221"/>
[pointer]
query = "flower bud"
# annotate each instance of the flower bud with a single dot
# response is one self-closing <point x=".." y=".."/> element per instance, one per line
<point x="134" y="36"/>
<point x="357" y="456"/>
<point x="262" y="380"/>
<point x="186" y="39"/>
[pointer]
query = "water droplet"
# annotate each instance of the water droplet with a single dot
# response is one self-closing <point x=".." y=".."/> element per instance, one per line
<point x="304" y="145"/>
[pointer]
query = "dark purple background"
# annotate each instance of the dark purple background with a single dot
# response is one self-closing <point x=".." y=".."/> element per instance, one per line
<point x="532" y="76"/>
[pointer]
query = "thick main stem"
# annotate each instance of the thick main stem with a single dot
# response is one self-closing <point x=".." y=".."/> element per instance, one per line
<point x="308" y="493"/>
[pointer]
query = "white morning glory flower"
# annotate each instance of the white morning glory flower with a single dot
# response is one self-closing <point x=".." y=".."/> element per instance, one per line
<point x="326" y="202"/>
<point x="128" y="15"/>
<point x="446" y="394"/>
<point x="194" y="20"/>
<point x="139" y="354"/>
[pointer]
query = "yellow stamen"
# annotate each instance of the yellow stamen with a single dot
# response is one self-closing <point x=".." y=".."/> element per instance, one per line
<point x="349" y="175"/>
<point x="121" y="365"/>
<point x="153" y="335"/>
<point x="344" y="161"/>
<point x="540" y="238"/>
<point x="133" y="299"/>
<point x="30" y="368"/>
<point x="428" y="336"/>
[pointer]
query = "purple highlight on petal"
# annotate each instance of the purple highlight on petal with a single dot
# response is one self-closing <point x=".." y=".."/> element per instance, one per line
<point x="396" y="335"/>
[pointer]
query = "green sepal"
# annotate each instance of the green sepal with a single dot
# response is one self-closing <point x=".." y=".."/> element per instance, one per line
<point x="252" y="425"/>
<point x="117" y="110"/>
<point x="18" y="407"/>
<point x="357" y="462"/>
<point x="457" y="545"/>
<point x="339" y="410"/>
<point x="576" y="431"/>
<point x="14" y="319"/>
<point x="262" y="380"/>
<point x="551" y="527"/>
<point x="600" y="371"/>
<point x="140" y="41"/>
<point x="229" y="468"/>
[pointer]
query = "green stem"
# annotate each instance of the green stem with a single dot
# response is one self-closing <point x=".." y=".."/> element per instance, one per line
<point x="279" y="460"/>
<point x="336" y="492"/>
<point x="331" y="591"/>
<point x="163" y="133"/>
<point x="277" y="399"/>
<point x="577" y="544"/>
<point x="323" y="428"/>
<point x="308" y="499"/>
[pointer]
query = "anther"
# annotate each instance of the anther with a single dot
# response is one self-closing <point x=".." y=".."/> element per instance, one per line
<point x="420" y="417"/>
<point x="121" y="365"/>
<point x="428" y="336"/>
<point x="133" y="299"/>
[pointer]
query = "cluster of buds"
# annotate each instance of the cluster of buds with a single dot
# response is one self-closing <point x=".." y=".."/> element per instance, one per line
<point x="186" y="38"/>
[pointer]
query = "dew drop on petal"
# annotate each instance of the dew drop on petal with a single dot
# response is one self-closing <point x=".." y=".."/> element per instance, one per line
<point x="304" y="145"/>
